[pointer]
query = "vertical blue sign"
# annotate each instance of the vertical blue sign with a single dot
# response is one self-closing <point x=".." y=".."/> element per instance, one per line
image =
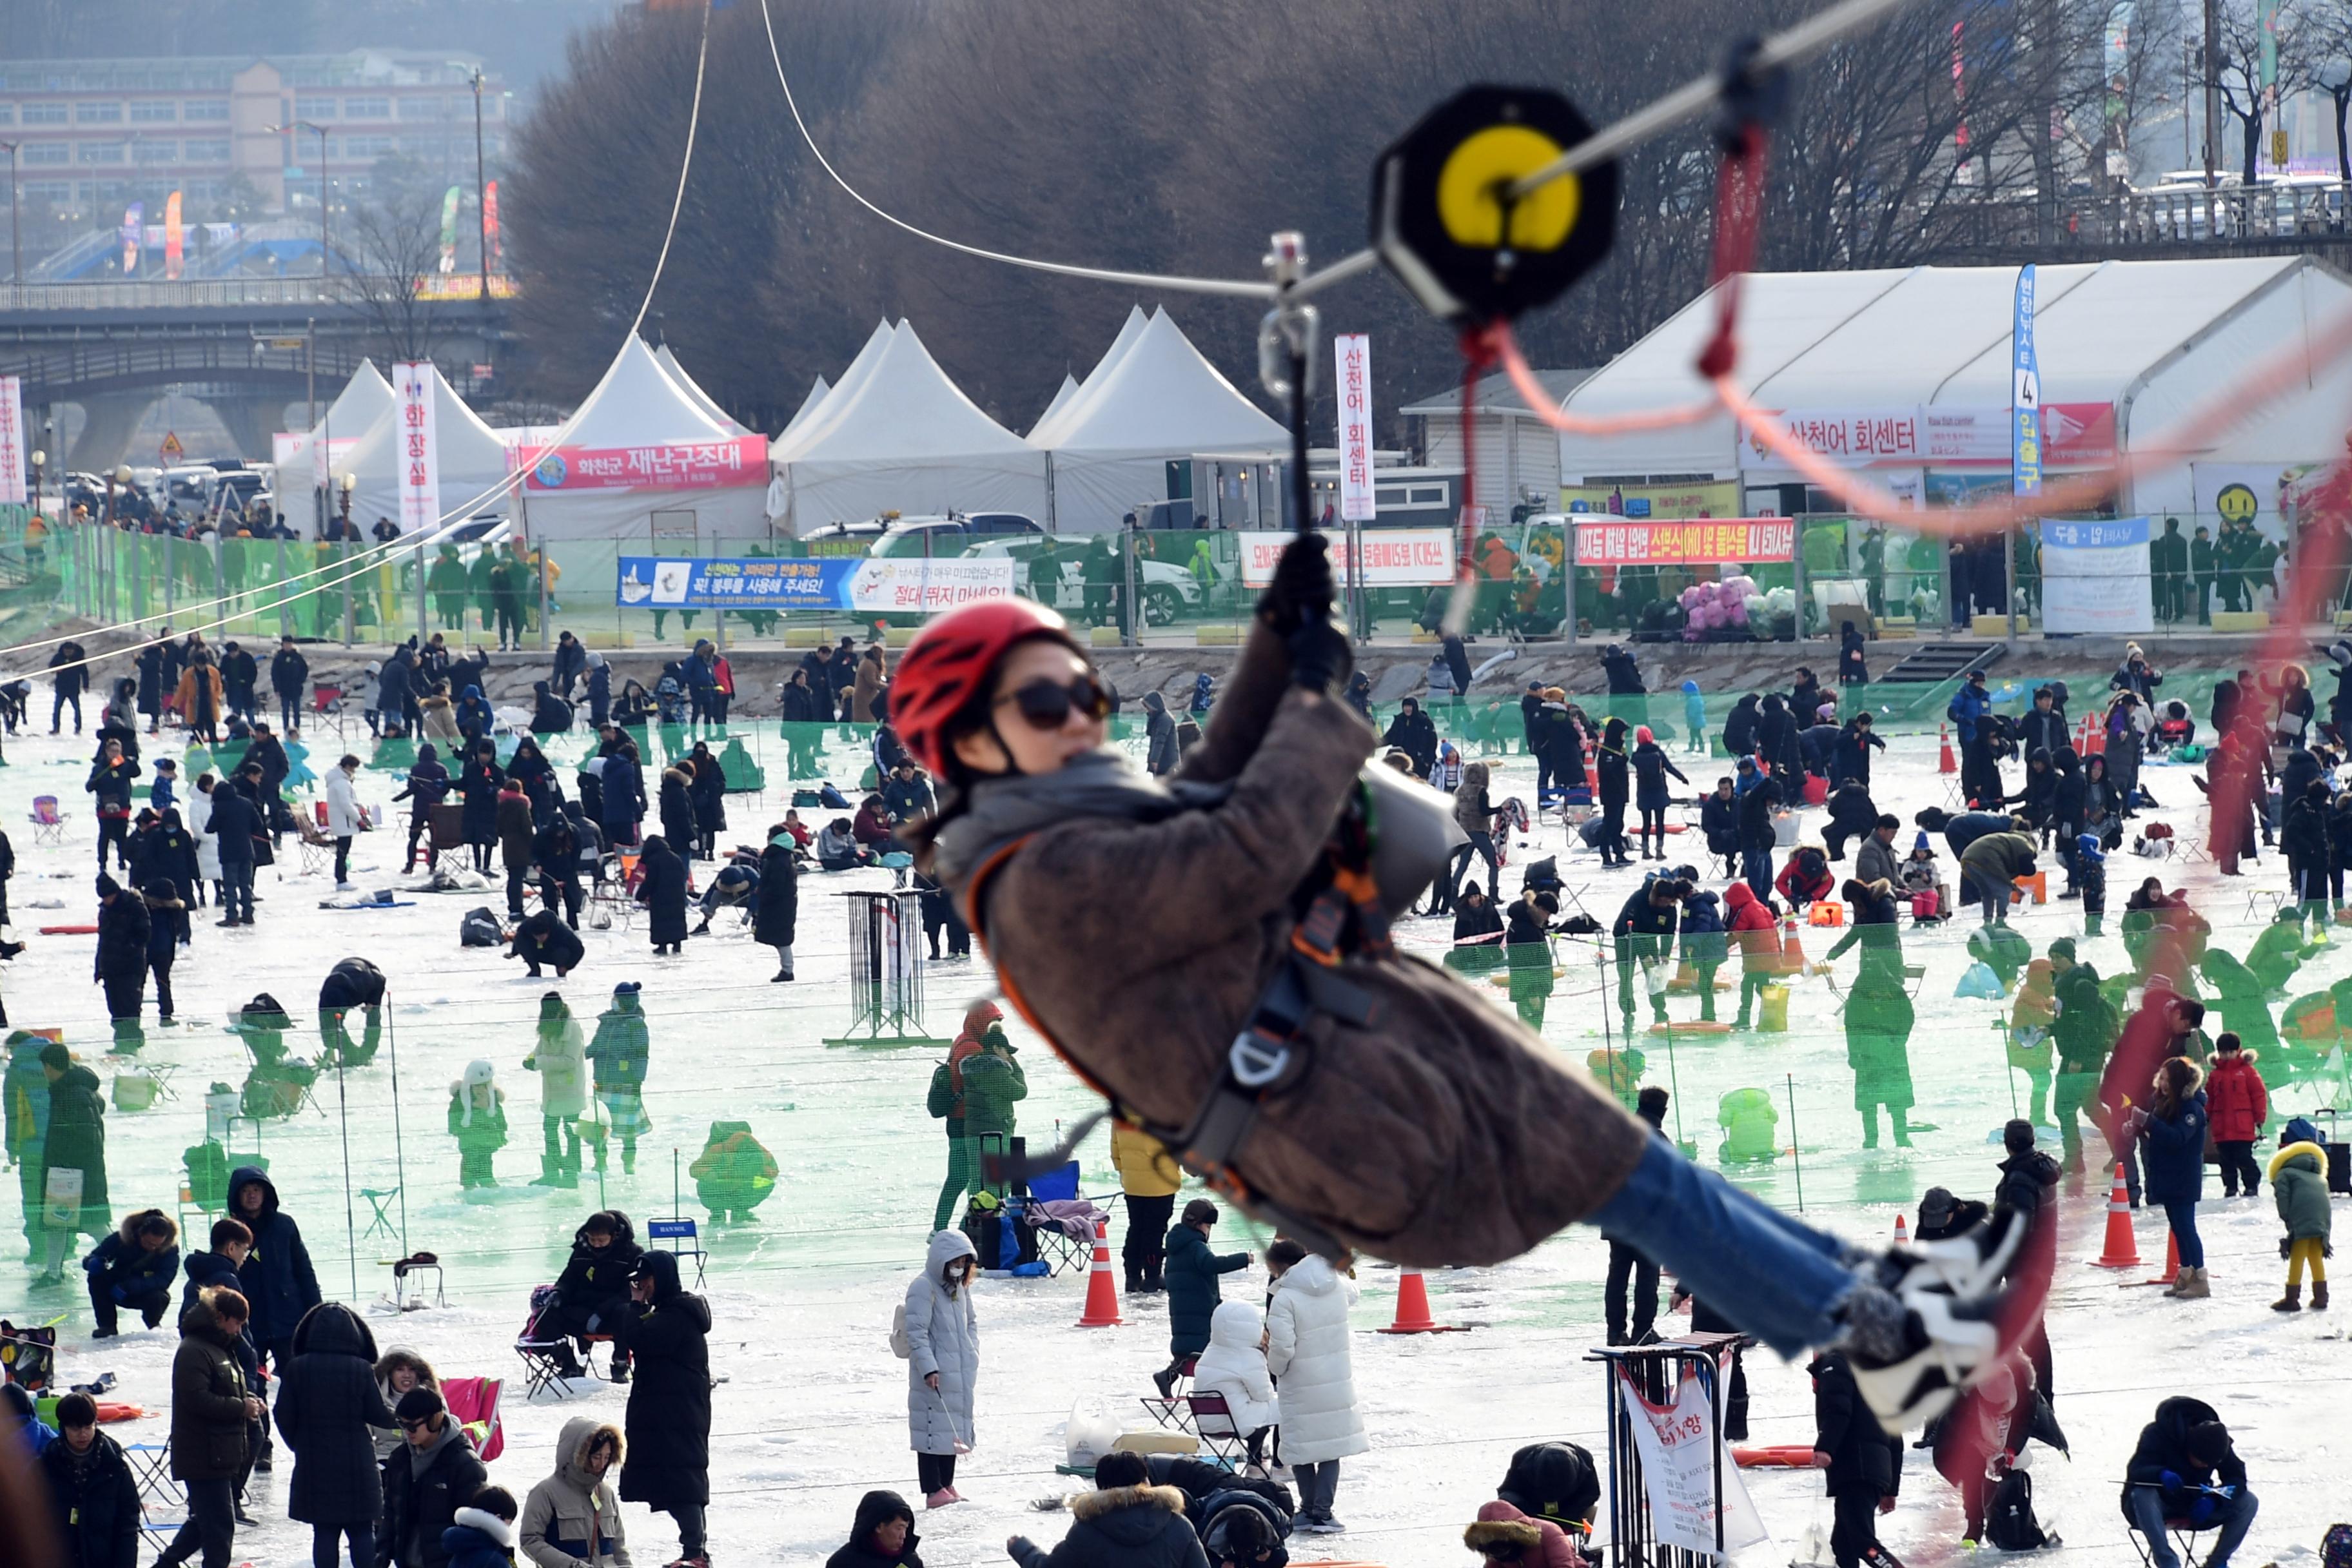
<point x="2025" y="395"/>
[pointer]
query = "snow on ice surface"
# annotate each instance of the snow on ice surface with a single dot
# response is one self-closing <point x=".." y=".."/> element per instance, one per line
<point x="812" y="1411"/>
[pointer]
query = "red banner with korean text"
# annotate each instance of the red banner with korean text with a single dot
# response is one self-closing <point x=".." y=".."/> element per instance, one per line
<point x="1695" y="541"/>
<point x="669" y="466"/>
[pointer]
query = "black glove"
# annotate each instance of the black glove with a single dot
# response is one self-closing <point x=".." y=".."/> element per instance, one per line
<point x="1301" y="590"/>
<point x="1319" y="656"/>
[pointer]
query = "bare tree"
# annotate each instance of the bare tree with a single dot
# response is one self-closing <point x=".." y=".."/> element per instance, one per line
<point x="2237" y="75"/>
<point x="394" y="243"/>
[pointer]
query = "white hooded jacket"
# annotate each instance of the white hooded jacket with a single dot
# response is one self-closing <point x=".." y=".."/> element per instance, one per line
<point x="1233" y="1367"/>
<point x="943" y="1334"/>
<point x="1308" y="1352"/>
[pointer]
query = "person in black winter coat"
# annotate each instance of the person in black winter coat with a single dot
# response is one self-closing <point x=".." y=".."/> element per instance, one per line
<point x="624" y="795"/>
<point x="2042" y="727"/>
<point x="2185" y="1466"/>
<point x="1191" y="1273"/>
<point x="289" y="680"/>
<point x="1651" y="767"/>
<point x="1739" y="726"/>
<point x="555" y="852"/>
<point x="592" y="1290"/>
<point x="667" y="1331"/>
<point x="427" y="786"/>
<point x="1613" y="766"/>
<point x="71" y="674"/>
<point x="1477" y="931"/>
<point x="167" y="934"/>
<point x="1853" y="814"/>
<point x="1865" y="1465"/>
<point x="1850" y="758"/>
<point x="121" y="962"/>
<point x="327" y="1400"/>
<point x="435" y="1473"/>
<point x="1413" y="732"/>
<point x="881" y="1536"/>
<point x="276" y="1277"/>
<point x="94" y="1496"/>
<point x="1644" y="935"/>
<point x="1719" y="818"/>
<point x="479" y="778"/>
<point x="662" y="890"/>
<point x="133" y="1268"/>
<point x="1624" y="675"/>
<point x="1805" y="698"/>
<point x="543" y="937"/>
<point x="1757" y="837"/>
<point x="678" y="813"/>
<point x="705" y="787"/>
<point x="1776" y="739"/>
<point x="1628" y="1268"/>
<point x="110" y="784"/>
<point x="1125" y="1522"/>
<point x="775" y="912"/>
<point x="2310" y="857"/>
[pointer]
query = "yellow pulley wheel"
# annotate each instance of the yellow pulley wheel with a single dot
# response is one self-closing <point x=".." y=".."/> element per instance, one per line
<point x="1472" y="192"/>
<point x="1444" y="220"/>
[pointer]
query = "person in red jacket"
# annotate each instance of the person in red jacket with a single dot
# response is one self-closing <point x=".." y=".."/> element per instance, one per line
<point x="1806" y="878"/>
<point x="1754" y="932"/>
<point x="2238" y="1101"/>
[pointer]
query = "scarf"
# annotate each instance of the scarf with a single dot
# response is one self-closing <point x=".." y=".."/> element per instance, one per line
<point x="1103" y="782"/>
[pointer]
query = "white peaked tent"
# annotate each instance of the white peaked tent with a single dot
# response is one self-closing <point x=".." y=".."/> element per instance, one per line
<point x="469" y="456"/>
<point x="693" y="390"/>
<point x="1043" y="433"/>
<point x="897" y="434"/>
<point x="364" y="400"/>
<point x="1161" y="402"/>
<point x="637" y="404"/>
<point x="818" y="411"/>
<point x="1069" y="389"/>
<point x="816" y="395"/>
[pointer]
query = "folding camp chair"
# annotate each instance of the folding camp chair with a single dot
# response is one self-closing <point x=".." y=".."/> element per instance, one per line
<point x="49" y="822"/>
<point x="2184" y="1539"/>
<point x="543" y="1353"/>
<point x="684" y="1243"/>
<point x="1061" y="1251"/>
<point x="1167" y="1411"/>
<point x="474" y="1401"/>
<point x="1212" y="1421"/>
<point x="163" y="1506"/>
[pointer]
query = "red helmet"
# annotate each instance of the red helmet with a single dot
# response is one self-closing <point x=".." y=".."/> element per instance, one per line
<point x="952" y="657"/>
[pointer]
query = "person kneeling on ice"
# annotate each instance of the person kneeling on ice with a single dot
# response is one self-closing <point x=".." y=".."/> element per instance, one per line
<point x="1125" y="1522"/>
<point x="1455" y="1136"/>
<point x="2185" y="1468"/>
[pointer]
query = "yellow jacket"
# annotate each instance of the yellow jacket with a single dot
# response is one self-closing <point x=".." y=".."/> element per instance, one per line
<point x="1146" y="1169"/>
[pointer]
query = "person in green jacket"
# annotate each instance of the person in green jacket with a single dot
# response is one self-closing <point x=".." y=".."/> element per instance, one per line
<point x="2240" y="994"/>
<point x="446" y="580"/>
<point x="2299" y="1187"/>
<point x="478" y="578"/>
<point x="478" y="1120"/>
<point x="734" y="1173"/>
<point x="950" y="1101"/>
<point x="2280" y="950"/>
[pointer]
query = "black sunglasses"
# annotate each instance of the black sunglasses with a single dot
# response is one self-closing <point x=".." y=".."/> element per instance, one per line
<point x="1046" y="705"/>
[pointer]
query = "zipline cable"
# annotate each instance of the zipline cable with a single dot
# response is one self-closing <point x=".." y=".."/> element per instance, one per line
<point x="1250" y="289"/>
<point x="377" y="555"/>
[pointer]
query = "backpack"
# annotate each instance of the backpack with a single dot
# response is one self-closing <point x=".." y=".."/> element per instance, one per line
<point x="2335" y="1547"/>
<point x="480" y="928"/>
<point x="2009" y="1524"/>
<point x="900" y="1345"/>
<point x="941" y="1101"/>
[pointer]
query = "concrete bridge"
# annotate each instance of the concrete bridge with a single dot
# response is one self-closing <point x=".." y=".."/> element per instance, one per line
<point x="245" y="346"/>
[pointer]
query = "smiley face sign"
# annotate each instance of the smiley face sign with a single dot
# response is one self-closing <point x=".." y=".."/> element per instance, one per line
<point x="2237" y="503"/>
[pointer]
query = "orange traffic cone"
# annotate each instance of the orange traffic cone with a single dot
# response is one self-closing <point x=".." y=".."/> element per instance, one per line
<point x="1412" y="1308"/>
<point x="1102" y="1296"/>
<point x="1902" y="1232"/>
<point x="2122" y="1250"/>
<point x="2171" y="1260"/>
<point x="1792" y="952"/>
<point x="1945" y="763"/>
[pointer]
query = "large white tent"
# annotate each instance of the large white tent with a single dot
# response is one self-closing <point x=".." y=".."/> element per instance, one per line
<point x="1156" y="401"/>
<point x="1921" y="358"/>
<point x="896" y="434"/>
<point x="817" y="391"/>
<point x="302" y="463"/>
<point x="469" y="456"/>
<point x="693" y="390"/>
<point x="1070" y="402"/>
<point x="641" y="409"/>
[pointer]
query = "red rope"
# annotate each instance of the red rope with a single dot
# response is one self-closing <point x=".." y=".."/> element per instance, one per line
<point x="1738" y="216"/>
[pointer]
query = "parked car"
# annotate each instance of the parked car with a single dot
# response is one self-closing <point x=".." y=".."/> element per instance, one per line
<point x="1168" y="591"/>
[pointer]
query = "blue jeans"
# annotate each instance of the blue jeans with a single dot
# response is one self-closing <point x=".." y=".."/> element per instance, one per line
<point x="2182" y="1217"/>
<point x="1755" y="870"/>
<point x="2146" y="1506"/>
<point x="1776" y="1279"/>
